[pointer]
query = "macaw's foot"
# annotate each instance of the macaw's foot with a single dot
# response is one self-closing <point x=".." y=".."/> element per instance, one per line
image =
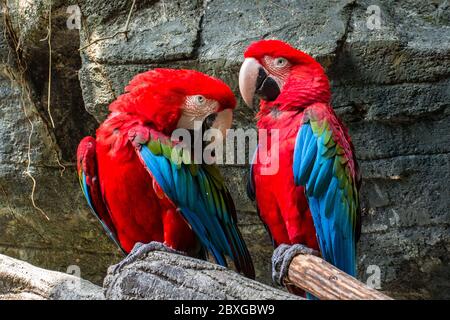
<point x="140" y="250"/>
<point x="282" y="258"/>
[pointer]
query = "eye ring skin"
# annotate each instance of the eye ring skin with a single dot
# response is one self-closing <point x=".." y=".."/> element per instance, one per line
<point x="283" y="63"/>
<point x="199" y="100"/>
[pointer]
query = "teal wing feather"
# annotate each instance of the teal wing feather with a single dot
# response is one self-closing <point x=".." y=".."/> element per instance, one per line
<point x="88" y="178"/>
<point x="200" y="194"/>
<point x="325" y="165"/>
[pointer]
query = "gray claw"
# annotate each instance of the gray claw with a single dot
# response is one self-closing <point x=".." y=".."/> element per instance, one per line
<point x="282" y="258"/>
<point x="140" y="250"/>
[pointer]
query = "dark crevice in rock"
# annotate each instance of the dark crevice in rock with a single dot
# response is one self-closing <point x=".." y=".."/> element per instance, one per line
<point x="353" y="112"/>
<point x="153" y="63"/>
<point x="426" y="116"/>
<point x="72" y="122"/>
<point x="357" y="112"/>
<point x="198" y="39"/>
<point x="347" y="12"/>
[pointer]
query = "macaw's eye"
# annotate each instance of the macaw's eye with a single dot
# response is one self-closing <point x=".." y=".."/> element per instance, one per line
<point x="280" y="62"/>
<point x="199" y="100"/>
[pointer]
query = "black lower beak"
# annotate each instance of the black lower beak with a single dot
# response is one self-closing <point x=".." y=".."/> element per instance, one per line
<point x="197" y="137"/>
<point x="209" y="121"/>
<point x="266" y="87"/>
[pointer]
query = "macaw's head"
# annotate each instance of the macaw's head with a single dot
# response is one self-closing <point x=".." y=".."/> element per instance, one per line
<point x="167" y="99"/>
<point x="281" y="76"/>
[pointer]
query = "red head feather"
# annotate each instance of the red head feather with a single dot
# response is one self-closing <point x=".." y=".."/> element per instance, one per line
<point x="277" y="48"/>
<point x="306" y="83"/>
<point x="156" y="96"/>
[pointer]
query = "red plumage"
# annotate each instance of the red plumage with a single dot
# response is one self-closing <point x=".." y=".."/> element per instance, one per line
<point x="282" y="205"/>
<point x="276" y="48"/>
<point x="137" y="212"/>
<point x="87" y="163"/>
<point x="138" y="209"/>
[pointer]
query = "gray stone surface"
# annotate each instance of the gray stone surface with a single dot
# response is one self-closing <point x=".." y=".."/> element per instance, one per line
<point x="71" y="236"/>
<point x="391" y="87"/>
<point x="305" y="24"/>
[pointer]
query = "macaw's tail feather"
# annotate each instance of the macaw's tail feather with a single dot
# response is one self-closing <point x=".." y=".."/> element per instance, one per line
<point x="309" y="296"/>
<point x="243" y="260"/>
<point x="241" y="256"/>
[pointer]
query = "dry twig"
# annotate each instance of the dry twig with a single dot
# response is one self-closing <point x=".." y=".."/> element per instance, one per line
<point x="124" y="31"/>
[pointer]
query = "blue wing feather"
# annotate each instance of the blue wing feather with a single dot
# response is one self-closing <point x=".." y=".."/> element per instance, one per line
<point x="86" y="193"/>
<point x="329" y="202"/>
<point x="306" y="163"/>
<point x="200" y="199"/>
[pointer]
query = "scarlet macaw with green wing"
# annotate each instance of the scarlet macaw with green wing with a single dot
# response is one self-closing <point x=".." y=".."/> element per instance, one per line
<point x="143" y="189"/>
<point x="313" y="199"/>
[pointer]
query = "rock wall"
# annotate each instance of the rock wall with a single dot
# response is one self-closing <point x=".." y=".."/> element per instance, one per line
<point x="391" y="86"/>
<point x="71" y="236"/>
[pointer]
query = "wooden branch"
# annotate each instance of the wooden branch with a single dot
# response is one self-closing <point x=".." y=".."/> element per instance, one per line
<point x="326" y="282"/>
<point x="21" y="281"/>
<point x="162" y="275"/>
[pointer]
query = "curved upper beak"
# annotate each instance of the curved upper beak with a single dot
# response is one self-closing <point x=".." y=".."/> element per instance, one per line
<point x="248" y="76"/>
<point x="254" y="79"/>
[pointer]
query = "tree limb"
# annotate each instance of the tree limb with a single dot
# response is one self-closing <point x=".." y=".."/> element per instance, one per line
<point x="20" y="280"/>
<point x="326" y="282"/>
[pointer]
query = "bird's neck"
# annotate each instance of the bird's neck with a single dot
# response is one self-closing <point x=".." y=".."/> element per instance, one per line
<point x="302" y="89"/>
<point x="275" y="118"/>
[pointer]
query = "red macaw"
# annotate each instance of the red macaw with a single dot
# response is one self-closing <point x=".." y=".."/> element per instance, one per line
<point x="145" y="190"/>
<point x="313" y="198"/>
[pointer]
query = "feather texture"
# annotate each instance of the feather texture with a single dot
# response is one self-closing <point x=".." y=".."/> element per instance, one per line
<point x="313" y="198"/>
<point x="155" y="193"/>
<point x="198" y="191"/>
<point x="324" y="165"/>
<point x="87" y="175"/>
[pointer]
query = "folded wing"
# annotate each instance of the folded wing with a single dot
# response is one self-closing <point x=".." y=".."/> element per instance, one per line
<point x="88" y="177"/>
<point x="325" y="165"/>
<point x="199" y="192"/>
